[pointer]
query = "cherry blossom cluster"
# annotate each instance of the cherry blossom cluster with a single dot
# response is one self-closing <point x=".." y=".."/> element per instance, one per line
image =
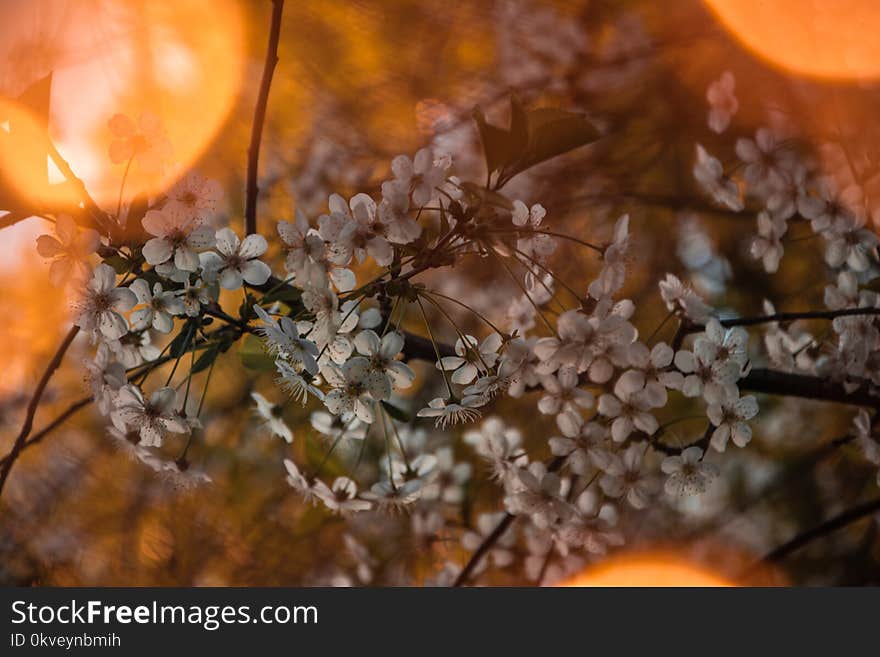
<point x="331" y="316"/>
<point x="776" y="177"/>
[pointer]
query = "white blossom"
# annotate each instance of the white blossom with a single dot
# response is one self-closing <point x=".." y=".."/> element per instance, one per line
<point x="341" y="496"/>
<point x="722" y="101"/>
<point x="68" y="250"/>
<point x="613" y="273"/>
<point x="236" y="261"/>
<point x="687" y="473"/>
<point x="654" y="370"/>
<point x="579" y="437"/>
<point x="683" y="300"/>
<point x="628" y="408"/>
<point x="355" y="389"/>
<point x="99" y="307"/>
<point x="563" y="393"/>
<point x="471" y="358"/>
<point x="710" y="174"/>
<point x="159" y="307"/>
<point x="730" y="419"/>
<point x="421" y="176"/>
<point x="153" y="418"/>
<point x="448" y="412"/>
<point x="767" y="246"/>
<point x="382" y="356"/>
<point x="176" y="238"/>
<point x="272" y="416"/>
<point x="357" y="232"/>
<point x="624" y="475"/>
<point x="193" y="198"/>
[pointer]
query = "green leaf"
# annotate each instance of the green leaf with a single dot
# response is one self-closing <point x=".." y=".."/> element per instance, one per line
<point x="120" y="265"/>
<point x="181" y="342"/>
<point x="396" y="413"/>
<point x="205" y="361"/>
<point x="444" y="220"/>
<point x="533" y="137"/>
<point x="133" y="232"/>
<point x="519" y="123"/>
<point x="254" y="356"/>
<point x="487" y="195"/>
<point x="498" y="145"/>
<point x="553" y="132"/>
<point x="286" y="293"/>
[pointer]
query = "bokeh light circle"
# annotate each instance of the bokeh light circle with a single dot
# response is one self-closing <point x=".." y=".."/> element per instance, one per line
<point x="648" y="569"/>
<point x="180" y="61"/>
<point x="832" y="39"/>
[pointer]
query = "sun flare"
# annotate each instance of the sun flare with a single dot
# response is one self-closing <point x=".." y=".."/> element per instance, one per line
<point x="656" y="570"/>
<point x="832" y="40"/>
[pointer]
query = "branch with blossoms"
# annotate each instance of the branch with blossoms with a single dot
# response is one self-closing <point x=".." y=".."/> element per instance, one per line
<point x="162" y="292"/>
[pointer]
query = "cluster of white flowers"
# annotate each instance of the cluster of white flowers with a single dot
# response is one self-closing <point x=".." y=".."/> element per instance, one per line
<point x="777" y="179"/>
<point x="592" y="373"/>
<point x="338" y="344"/>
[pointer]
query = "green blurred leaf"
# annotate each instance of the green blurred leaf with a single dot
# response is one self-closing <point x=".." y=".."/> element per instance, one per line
<point x="396" y="413"/>
<point x="181" y="342"/>
<point x="120" y="265"/>
<point x="519" y="123"/>
<point x="487" y="195"/>
<point x="553" y="132"/>
<point x="205" y="361"/>
<point x="254" y="356"/>
<point x="444" y="220"/>
<point x="534" y="137"/>
<point x="286" y="293"/>
<point x="498" y="145"/>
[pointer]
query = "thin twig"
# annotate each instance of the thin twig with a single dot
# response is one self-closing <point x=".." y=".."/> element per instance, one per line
<point x="49" y="428"/>
<point x="832" y="525"/>
<point x="496" y="534"/>
<point x="483" y="548"/>
<point x="98" y="215"/>
<point x="790" y="317"/>
<point x="250" y="211"/>
<point x="33" y="404"/>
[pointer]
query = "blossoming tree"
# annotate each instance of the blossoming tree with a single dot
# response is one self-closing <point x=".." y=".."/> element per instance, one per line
<point x="341" y="307"/>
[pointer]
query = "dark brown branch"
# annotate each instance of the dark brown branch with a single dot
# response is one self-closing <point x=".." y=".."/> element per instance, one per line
<point x="418" y="347"/>
<point x="791" y="317"/>
<point x="483" y="548"/>
<point x="250" y="211"/>
<point x="496" y="534"/>
<point x="832" y="525"/>
<point x="772" y="382"/>
<point x="12" y="218"/>
<point x="18" y="445"/>
<point x="98" y="215"/>
<point x="49" y="428"/>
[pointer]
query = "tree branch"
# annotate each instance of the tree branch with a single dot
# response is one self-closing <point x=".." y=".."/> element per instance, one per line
<point x="54" y="424"/>
<point x="18" y="445"/>
<point x="250" y="211"/>
<point x="833" y="524"/>
<point x="790" y="317"/>
<point x="483" y="548"/>
<point x="496" y="535"/>
<point x="773" y="382"/>
<point x="98" y="215"/>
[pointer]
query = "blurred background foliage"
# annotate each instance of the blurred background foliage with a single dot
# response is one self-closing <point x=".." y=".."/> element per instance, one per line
<point x="357" y="83"/>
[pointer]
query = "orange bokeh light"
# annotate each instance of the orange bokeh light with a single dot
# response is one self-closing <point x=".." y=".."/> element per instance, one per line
<point x="832" y="39"/>
<point x="649" y="569"/>
<point x="178" y="60"/>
